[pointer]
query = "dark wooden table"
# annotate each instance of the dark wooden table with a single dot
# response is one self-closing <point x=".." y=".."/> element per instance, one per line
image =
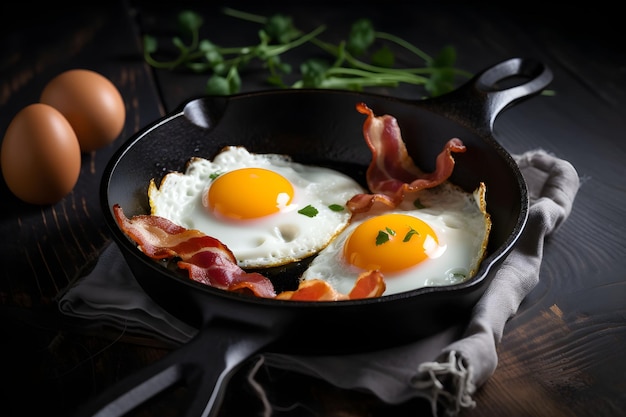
<point x="561" y="355"/>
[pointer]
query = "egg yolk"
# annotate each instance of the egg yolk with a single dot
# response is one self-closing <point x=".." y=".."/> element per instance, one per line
<point x="390" y="243"/>
<point x="249" y="193"/>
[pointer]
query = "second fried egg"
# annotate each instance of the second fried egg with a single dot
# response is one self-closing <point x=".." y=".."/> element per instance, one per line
<point x="267" y="209"/>
<point x="438" y="237"/>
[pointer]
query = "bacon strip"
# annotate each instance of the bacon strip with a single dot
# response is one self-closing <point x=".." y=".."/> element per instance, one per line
<point x="368" y="285"/>
<point x="312" y="290"/>
<point x="392" y="172"/>
<point x="205" y="258"/>
<point x="210" y="262"/>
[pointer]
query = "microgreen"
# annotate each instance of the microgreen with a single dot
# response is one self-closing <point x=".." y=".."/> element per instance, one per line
<point x="214" y="175"/>
<point x="412" y="232"/>
<point x="308" y="211"/>
<point x="382" y="237"/>
<point x="364" y="59"/>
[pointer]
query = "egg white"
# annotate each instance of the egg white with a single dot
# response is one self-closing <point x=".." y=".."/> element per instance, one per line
<point x="460" y="222"/>
<point x="277" y="239"/>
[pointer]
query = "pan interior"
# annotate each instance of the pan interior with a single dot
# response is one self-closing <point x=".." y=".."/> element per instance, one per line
<point x="318" y="128"/>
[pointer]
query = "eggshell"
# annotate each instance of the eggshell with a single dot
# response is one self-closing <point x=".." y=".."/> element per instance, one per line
<point x="40" y="156"/>
<point x="91" y="103"/>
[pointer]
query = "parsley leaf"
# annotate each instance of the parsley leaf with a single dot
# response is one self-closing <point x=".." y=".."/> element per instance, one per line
<point x="412" y="232"/>
<point x="280" y="28"/>
<point x="383" y="57"/>
<point x="361" y="37"/>
<point x="382" y="237"/>
<point x="214" y="175"/>
<point x="308" y="211"/>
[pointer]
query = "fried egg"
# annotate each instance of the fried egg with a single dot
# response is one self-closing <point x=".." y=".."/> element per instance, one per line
<point x="436" y="237"/>
<point x="266" y="208"/>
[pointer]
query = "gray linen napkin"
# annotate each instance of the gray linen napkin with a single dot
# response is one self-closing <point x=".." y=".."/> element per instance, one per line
<point x="446" y="368"/>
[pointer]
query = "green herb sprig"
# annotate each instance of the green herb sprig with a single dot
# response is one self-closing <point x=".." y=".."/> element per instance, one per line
<point x="308" y="211"/>
<point x="343" y="67"/>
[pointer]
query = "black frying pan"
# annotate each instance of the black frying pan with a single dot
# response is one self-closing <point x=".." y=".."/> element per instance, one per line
<point x="315" y="127"/>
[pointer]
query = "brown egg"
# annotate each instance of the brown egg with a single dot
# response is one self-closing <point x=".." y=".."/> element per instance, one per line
<point x="40" y="156"/>
<point x="91" y="103"/>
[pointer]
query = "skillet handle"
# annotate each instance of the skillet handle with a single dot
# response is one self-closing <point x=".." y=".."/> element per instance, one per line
<point x="479" y="101"/>
<point x="204" y="365"/>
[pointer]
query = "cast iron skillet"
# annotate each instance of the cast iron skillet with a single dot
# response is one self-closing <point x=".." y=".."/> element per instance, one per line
<point x="314" y="127"/>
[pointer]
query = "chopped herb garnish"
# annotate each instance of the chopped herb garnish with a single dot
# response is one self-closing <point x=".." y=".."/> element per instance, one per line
<point x="308" y="211"/>
<point x="390" y="231"/>
<point x="214" y="175"/>
<point x="410" y="234"/>
<point x="418" y="204"/>
<point x="383" y="237"/>
<point x="336" y="207"/>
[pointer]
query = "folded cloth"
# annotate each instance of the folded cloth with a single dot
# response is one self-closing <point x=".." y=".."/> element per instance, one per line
<point x="110" y="296"/>
<point x="445" y="369"/>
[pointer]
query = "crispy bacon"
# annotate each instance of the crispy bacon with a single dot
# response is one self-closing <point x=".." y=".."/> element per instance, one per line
<point x="312" y="290"/>
<point x="368" y="285"/>
<point x="205" y="258"/>
<point x="392" y="172"/>
<point x="210" y="262"/>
